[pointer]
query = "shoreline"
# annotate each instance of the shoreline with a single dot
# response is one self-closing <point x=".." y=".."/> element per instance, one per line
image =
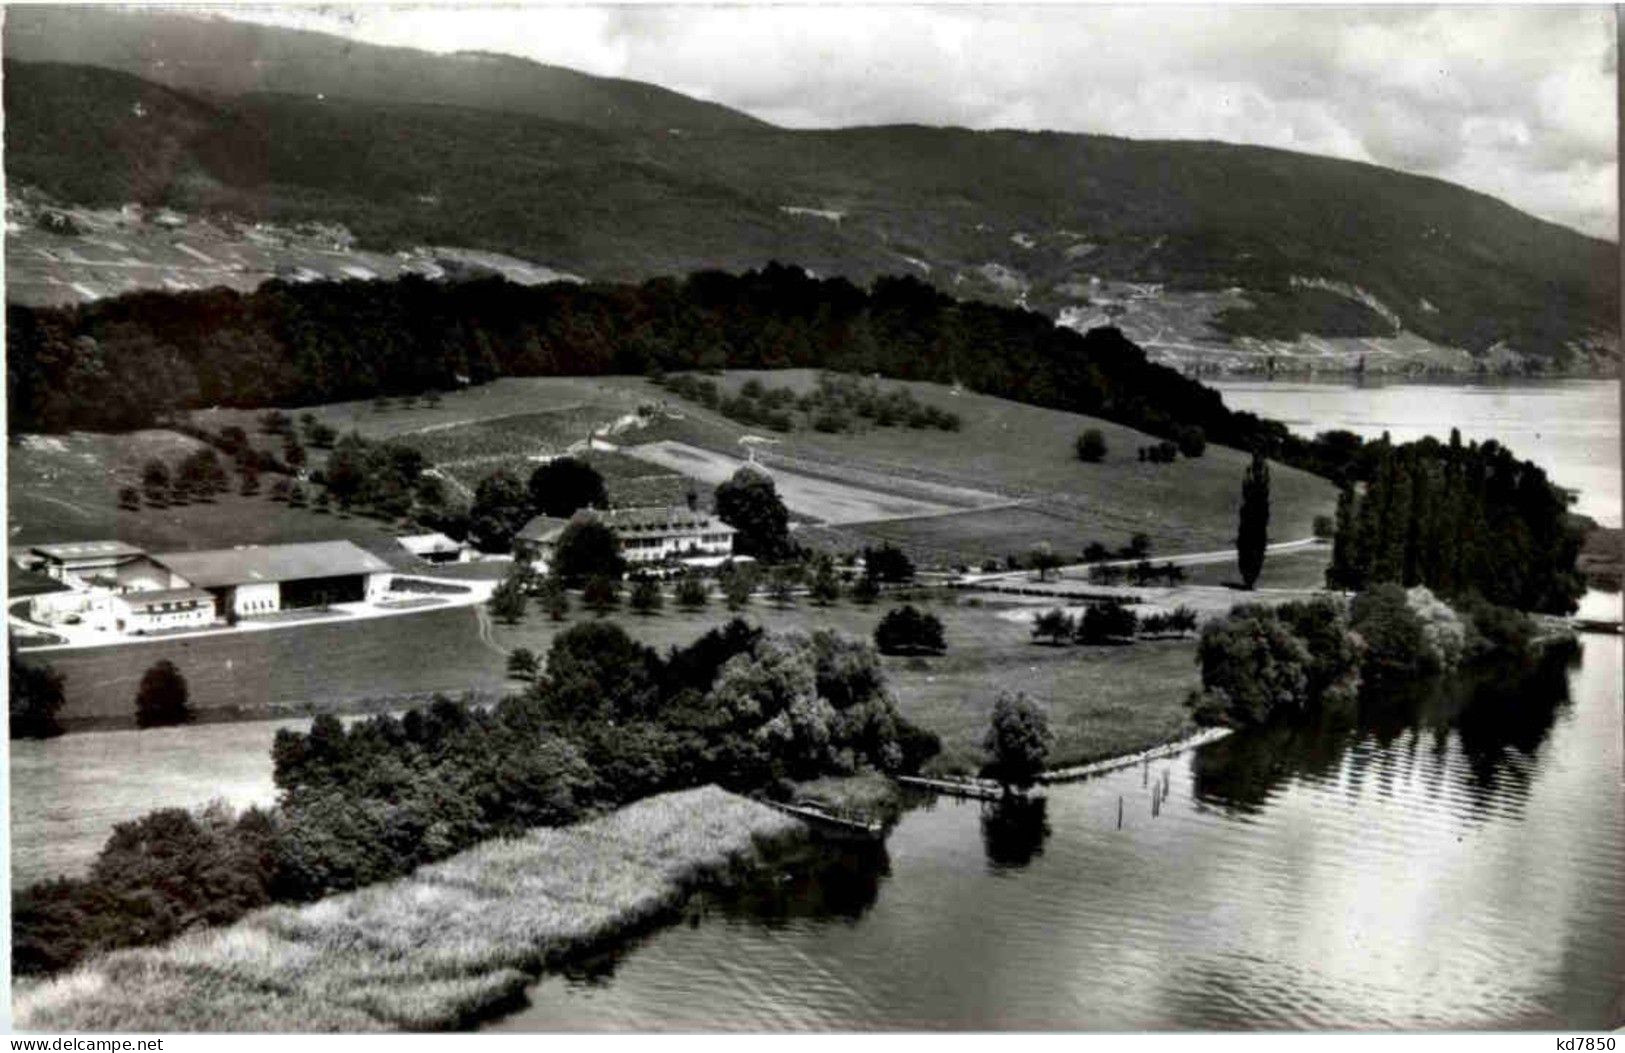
<point x="447" y="946"/>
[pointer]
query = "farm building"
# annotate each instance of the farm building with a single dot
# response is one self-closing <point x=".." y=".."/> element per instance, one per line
<point x="261" y="579"/>
<point x="647" y="535"/>
<point x="435" y="548"/>
<point x="118" y="587"/>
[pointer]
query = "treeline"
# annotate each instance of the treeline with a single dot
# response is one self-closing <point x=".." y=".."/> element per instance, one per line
<point x="1261" y="663"/>
<point x="127" y="362"/>
<point x="611" y="721"/>
<point x="1462" y="520"/>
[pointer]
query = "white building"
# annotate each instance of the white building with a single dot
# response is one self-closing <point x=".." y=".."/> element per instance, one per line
<point x="116" y="587"/>
<point x="435" y="548"/>
<point x="647" y="535"/>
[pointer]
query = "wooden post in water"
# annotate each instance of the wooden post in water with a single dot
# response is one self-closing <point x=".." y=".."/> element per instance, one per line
<point x="1119" y="811"/>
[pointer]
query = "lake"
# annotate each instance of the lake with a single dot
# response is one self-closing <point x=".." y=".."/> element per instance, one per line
<point x="1451" y="859"/>
<point x="1568" y="427"/>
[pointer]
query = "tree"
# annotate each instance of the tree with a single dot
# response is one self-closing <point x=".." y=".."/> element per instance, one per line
<point x="865" y="590"/>
<point x="248" y="473"/>
<point x="129" y="499"/>
<point x="1017" y="742"/>
<point x="825" y="587"/>
<point x="293" y="452"/>
<point x="36" y="697"/>
<point x="601" y="594"/>
<point x="1043" y="559"/>
<point x="749" y="502"/>
<point x="691" y="592"/>
<point x="888" y="563"/>
<point x="646" y="596"/>
<point x="162" y="697"/>
<point x="553" y="597"/>
<point x="1091" y="446"/>
<point x="563" y="486"/>
<point x="282" y="489"/>
<point x="781" y="586"/>
<point x="1055" y="624"/>
<point x="907" y="630"/>
<point x="155" y="481"/>
<point x="508" y="601"/>
<point x="1252" y="532"/>
<point x="522" y="664"/>
<point x="1104" y="622"/>
<point x="738" y="582"/>
<point x="588" y="548"/>
<point x="1253" y="666"/>
<point x="500" y="509"/>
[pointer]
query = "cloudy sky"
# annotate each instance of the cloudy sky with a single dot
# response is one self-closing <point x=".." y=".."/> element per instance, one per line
<point x="1516" y="102"/>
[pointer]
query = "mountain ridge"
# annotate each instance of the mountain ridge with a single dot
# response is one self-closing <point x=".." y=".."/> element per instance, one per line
<point x="1202" y="251"/>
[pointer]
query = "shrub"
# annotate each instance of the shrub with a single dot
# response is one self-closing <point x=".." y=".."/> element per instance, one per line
<point x="1256" y="662"/>
<point x="646" y="596"/>
<point x="691" y="592"/>
<point x="1055" y="624"/>
<point x="866" y="589"/>
<point x="1105" y="622"/>
<point x="907" y="630"/>
<point x="162" y="698"/>
<point x="522" y="663"/>
<point x="1395" y="645"/>
<point x="36" y="698"/>
<point x="1325" y="527"/>
<point x="1091" y="446"/>
<point x="601" y="594"/>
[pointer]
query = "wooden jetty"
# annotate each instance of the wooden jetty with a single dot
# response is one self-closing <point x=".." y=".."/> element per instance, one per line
<point x="1596" y="625"/>
<point x="979" y="791"/>
<point x="829" y="822"/>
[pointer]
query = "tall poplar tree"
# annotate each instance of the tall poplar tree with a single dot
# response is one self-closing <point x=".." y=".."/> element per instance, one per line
<point x="1252" y="533"/>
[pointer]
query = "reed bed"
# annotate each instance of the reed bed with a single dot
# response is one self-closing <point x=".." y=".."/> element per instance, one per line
<point x="444" y="947"/>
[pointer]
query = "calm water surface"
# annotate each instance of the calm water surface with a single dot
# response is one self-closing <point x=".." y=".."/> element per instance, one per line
<point x="1454" y="859"/>
<point x="1568" y="427"/>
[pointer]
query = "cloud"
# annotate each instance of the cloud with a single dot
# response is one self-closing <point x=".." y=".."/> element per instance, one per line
<point x="1518" y="102"/>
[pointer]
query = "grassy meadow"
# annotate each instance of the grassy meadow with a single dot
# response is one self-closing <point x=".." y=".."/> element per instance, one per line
<point x="1102" y="700"/>
<point x="1020" y="452"/>
<point x="441" y="948"/>
<point x="286" y="672"/>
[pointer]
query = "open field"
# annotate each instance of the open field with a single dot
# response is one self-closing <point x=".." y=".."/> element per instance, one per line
<point x="67" y="793"/>
<point x="283" y="672"/>
<point x="439" y="948"/>
<point x="822" y="499"/>
<point x="1018" y="452"/>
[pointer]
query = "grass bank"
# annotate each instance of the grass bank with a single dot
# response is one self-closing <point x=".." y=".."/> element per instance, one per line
<point x="442" y="948"/>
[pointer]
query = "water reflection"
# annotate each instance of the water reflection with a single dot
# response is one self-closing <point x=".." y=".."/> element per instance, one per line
<point x="1399" y="734"/>
<point x="1014" y="830"/>
<point x="833" y="879"/>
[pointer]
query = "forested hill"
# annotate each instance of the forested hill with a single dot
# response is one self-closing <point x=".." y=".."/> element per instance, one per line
<point x="129" y="362"/>
<point x="1279" y="244"/>
<point x="219" y="57"/>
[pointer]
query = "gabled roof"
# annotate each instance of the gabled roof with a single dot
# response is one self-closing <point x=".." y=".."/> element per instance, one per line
<point x="70" y="551"/>
<point x="542" y="529"/>
<point x="433" y="542"/>
<point x="267" y="563"/>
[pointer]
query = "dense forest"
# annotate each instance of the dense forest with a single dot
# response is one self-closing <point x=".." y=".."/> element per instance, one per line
<point x="1462" y="520"/>
<point x="128" y="362"/>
